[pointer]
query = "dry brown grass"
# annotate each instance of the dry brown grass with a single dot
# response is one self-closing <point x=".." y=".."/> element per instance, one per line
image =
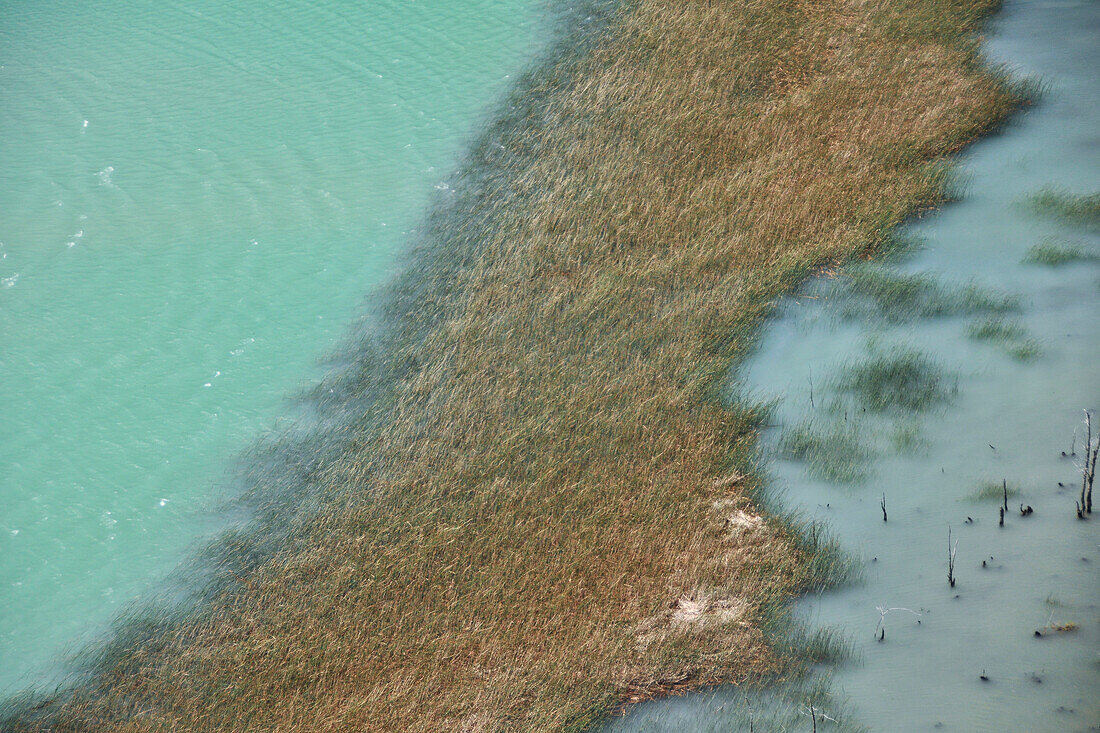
<point x="548" y="523"/>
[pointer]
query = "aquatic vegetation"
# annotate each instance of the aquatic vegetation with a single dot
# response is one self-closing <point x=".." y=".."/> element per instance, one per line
<point x="994" y="491"/>
<point x="1079" y="209"/>
<point x="896" y="296"/>
<point x="783" y="706"/>
<point x="1012" y="336"/>
<point x="995" y="329"/>
<point x="1024" y="350"/>
<point x="908" y="438"/>
<point x="522" y="510"/>
<point x="906" y="380"/>
<point x="834" y="452"/>
<point x="1053" y="253"/>
<point x="897" y="245"/>
<point x="976" y="299"/>
<point x="823" y="646"/>
<point x="887" y="293"/>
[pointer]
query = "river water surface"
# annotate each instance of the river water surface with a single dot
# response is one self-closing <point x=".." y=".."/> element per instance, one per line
<point x="194" y="199"/>
<point x="1002" y="408"/>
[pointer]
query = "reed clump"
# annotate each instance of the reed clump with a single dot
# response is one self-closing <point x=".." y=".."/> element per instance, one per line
<point x="905" y="380"/>
<point x="1076" y="209"/>
<point x="994" y="491"/>
<point x="874" y="290"/>
<point x="834" y="451"/>
<point x="907" y="437"/>
<point x="1053" y="253"/>
<point x="527" y="505"/>
<point x="1010" y="335"/>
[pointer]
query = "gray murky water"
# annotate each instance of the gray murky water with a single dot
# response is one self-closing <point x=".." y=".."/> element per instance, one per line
<point x="978" y="411"/>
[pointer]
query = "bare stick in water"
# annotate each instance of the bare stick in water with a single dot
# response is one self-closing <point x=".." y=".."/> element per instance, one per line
<point x="951" y="549"/>
<point x="1088" y="467"/>
<point x="880" y="631"/>
<point x="1090" y="460"/>
<point x="883" y="505"/>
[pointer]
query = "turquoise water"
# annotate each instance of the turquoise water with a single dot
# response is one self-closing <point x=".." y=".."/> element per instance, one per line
<point x="193" y="201"/>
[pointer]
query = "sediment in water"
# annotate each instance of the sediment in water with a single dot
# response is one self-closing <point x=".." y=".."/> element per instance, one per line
<point x="525" y="502"/>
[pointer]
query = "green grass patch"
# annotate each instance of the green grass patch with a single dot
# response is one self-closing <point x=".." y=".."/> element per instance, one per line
<point x="908" y="438"/>
<point x="1053" y="253"/>
<point x="974" y="299"/>
<point x="1079" y="209"/>
<point x="1025" y="350"/>
<point x="992" y="491"/>
<point x="833" y="452"/>
<point x="1010" y="335"/>
<point x="907" y="380"/>
<point x="887" y="293"/>
<point x="994" y="329"/>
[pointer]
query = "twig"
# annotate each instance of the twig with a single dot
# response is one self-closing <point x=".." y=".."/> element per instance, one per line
<point x="1088" y="467"/>
<point x="814" y="714"/>
<point x="951" y="549"/>
<point x="1092" y="474"/>
<point x="880" y="630"/>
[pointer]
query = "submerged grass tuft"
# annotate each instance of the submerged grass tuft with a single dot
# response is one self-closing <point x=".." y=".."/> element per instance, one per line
<point x="833" y="452"/>
<point x="1079" y="209"/>
<point x="906" y="380"/>
<point x="1053" y="253"/>
<point x="976" y="299"/>
<point x="993" y="491"/>
<point x="1010" y="335"/>
<point x="908" y="438"/>
<point x="1025" y="350"/>
<point x="995" y="329"/>
<point x="895" y="296"/>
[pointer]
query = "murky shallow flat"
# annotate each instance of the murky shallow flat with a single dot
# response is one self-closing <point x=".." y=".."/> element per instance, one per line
<point x="194" y="198"/>
<point x="1008" y="370"/>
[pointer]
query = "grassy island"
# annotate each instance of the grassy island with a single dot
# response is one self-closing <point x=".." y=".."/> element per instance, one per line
<point x="532" y="500"/>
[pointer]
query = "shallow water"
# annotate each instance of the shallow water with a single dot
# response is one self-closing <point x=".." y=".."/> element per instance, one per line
<point x="194" y="200"/>
<point x="999" y="418"/>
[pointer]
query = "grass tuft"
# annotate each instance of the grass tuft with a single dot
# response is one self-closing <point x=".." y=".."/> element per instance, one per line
<point x="993" y="491"/>
<point x="883" y="292"/>
<point x="995" y="329"/>
<point x="905" y="381"/>
<point x="1077" y="209"/>
<point x="834" y="452"/>
<point x="1052" y="253"/>
<point x="1010" y="335"/>
<point x="908" y="438"/>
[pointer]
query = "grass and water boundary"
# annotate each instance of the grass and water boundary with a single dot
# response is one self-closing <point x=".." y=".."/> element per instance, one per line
<point x="525" y="503"/>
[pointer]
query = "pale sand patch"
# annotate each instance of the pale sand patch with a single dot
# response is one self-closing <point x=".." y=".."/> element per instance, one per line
<point x="738" y="521"/>
<point x="701" y="610"/>
<point x="691" y="613"/>
<point x="742" y="521"/>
